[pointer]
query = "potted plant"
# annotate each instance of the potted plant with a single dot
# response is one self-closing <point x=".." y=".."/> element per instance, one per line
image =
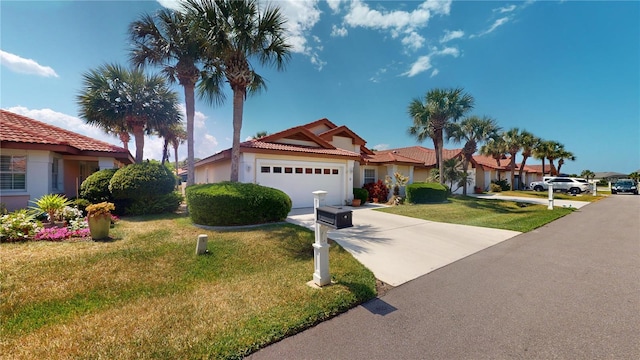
<point x="359" y="196"/>
<point x="99" y="219"/>
<point x="53" y="205"/>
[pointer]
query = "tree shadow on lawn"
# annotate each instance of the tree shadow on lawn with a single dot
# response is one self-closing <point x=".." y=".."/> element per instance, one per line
<point x="498" y="206"/>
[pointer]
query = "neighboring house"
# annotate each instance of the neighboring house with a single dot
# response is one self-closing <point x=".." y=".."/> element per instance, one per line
<point x="38" y="159"/>
<point x="323" y="156"/>
<point x="488" y="170"/>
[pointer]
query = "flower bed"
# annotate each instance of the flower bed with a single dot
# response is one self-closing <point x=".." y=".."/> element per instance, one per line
<point x="22" y="225"/>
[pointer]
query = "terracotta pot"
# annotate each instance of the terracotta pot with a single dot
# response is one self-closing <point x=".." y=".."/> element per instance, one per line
<point x="356" y="202"/>
<point x="375" y="200"/>
<point x="99" y="226"/>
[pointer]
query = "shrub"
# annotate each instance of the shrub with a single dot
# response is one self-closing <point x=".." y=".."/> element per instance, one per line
<point x="495" y="187"/>
<point x="360" y="193"/>
<point x="95" y="188"/>
<point x="504" y="184"/>
<point x="18" y="225"/>
<point x="81" y="204"/>
<point x="377" y="190"/>
<point x="142" y="189"/>
<point x="423" y="193"/>
<point x="52" y="205"/>
<point x="228" y="203"/>
<point x="156" y="205"/>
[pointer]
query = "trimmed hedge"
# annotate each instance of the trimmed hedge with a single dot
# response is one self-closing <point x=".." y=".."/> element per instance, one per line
<point x="159" y="204"/>
<point x="95" y="188"/>
<point x="424" y="193"/>
<point x="231" y="203"/>
<point x="360" y="193"/>
<point x="142" y="181"/>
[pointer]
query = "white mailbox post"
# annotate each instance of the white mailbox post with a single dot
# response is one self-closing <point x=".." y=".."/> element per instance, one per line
<point x="550" y="207"/>
<point x="321" y="276"/>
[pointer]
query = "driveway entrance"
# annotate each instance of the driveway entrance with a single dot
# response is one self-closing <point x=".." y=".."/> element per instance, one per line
<point x="398" y="249"/>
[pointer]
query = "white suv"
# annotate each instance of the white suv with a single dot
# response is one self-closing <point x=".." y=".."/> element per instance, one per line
<point x="564" y="184"/>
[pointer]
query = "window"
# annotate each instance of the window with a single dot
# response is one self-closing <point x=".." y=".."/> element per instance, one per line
<point x="288" y="170"/>
<point x="265" y="169"/>
<point x="327" y="171"/>
<point x="277" y="169"/>
<point x="13" y="172"/>
<point x="318" y="171"/>
<point x="334" y="171"/>
<point x="308" y="171"/>
<point x="298" y="170"/>
<point x="55" y="173"/>
<point x="369" y="176"/>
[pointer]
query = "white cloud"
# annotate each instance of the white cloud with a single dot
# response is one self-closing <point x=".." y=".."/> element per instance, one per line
<point x="381" y="147"/>
<point x="334" y="5"/>
<point x="398" y="21"/>
<point x="338" y="31"/>
<point x="413" y="41"/>
<point x="451" y="35"/>
<point x="505" y="9"/>
<point x="423" y="63"/>
<point x="496" y="24"/>
<point x="205" y="143"/>
<point x="171" y="4"/>
<point x="25" y="66"/>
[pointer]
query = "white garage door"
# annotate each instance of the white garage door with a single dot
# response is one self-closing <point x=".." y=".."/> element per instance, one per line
<point x="300" y="179"/>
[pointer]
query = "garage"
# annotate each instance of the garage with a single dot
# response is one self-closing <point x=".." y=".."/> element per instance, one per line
<point x="300" y="179"/>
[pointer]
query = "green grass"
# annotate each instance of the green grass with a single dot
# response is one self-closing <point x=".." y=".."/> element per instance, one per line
<point x="497" y="214"/>
<point x="145" y="294"/>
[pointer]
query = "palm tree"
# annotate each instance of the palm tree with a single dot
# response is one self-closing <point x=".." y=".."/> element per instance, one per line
<point x="169" y="41"/>
<point x="496" y="148"/>
<point x="541" y="150"/>
<point x="634" y="175"/>
<point x="116" y="98"/>
<point x="554" y="151"/>
<point x="179" y="137"/>
<point x="471" y="130"/>
<point x="587" y="174"/>
<point x="528" y="142"/>
<point x="260" y="134"/>
<point x="431" y="116"/>
<point x="562" y="155"/>
<point x="238" y="32"/>
<point x="512" y="142"/>
<point x="170" y="135"/>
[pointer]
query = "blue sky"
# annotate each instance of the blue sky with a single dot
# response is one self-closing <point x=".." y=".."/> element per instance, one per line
<point x="564" y="70"/>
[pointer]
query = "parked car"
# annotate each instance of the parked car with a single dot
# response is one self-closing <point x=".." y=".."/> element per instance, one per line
<point x="625" y="186"/>
<point x="563" y="184"/>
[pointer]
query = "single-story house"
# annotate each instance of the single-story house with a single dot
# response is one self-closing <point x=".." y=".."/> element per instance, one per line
<point x="488" y="169"/>
<point x="324" y="156"/>
<point x="38" y="159"/>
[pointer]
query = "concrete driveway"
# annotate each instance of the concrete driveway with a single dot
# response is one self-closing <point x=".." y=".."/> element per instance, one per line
<point x="398" y="249"/>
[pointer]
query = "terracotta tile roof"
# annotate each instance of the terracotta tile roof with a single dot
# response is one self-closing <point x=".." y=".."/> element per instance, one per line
<point x="258" y="144"/>
<point x="488" y="161"/>
<point x="21" y="129"/>
<point x="388" y="157"/>
<point x="419" y="154"/>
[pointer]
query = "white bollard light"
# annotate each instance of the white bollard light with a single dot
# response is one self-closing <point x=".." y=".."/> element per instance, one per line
<point x="201" y="245"/>
<point x="595" y="188"/>
<point x="321" y="275"/>
<point x="550" y="207"/>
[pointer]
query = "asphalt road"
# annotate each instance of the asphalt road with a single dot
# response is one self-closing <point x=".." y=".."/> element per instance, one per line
<point x="568" y="290"/>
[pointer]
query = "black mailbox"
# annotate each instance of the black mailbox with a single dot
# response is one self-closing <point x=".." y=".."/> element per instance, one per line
<point x="334" y="217"/>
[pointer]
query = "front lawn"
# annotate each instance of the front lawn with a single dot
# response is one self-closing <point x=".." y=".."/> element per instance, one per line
<point x="145" y="294"/>
<point x="508" y="215"/>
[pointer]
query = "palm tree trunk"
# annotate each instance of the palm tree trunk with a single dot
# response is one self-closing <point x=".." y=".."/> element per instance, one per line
<point x="175" y="152"/>
<point x="190" y="108"/>
<point x="138" y="134"/>
<point x="524" y="160"/>
<point x="543" y="167"/>
<point x="560" y="163"/>
<point x="439" y="154"/>
<point x="465" y="166"/>
<point x="238" y="106"/>
<point x="513" y="170"/>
